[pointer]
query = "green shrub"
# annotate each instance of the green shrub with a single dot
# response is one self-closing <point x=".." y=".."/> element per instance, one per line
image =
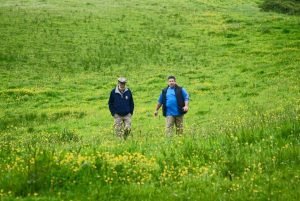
<point x="282" y="6"/>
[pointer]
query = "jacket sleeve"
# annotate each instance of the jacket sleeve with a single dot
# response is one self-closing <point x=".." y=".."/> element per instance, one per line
<point x="111" y="104"/>
<point x="131" y="104"/>
<point x="185" y="95"/>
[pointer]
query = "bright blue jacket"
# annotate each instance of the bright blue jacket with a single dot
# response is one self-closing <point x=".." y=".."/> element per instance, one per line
<point x="121" y="103"/>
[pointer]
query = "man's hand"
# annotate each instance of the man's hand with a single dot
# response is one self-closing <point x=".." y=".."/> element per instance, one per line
<point x="157" y="108"/>
<point x="185" y="108"/>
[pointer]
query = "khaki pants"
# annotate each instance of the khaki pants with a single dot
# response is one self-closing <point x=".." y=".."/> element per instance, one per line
<point x="170" y="121"/>
<point x="122" y="125"/>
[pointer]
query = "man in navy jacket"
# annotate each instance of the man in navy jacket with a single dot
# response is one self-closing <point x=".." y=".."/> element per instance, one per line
<point x="121" y="107"/>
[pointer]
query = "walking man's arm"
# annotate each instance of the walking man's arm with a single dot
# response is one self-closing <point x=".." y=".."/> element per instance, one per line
<point x="157" y="108"/>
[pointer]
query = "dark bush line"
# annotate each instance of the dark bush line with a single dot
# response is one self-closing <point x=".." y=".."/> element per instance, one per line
<point x="291" y="7"/>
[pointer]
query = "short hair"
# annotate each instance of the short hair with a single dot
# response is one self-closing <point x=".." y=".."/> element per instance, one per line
<point x="172" y="77"/>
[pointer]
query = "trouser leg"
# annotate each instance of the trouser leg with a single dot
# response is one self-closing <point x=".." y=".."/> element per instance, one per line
<point x="118" y="125"/>
<point x="170" y="121"/>
<point x="179" y="124"/>
<point x="127" y="122"/>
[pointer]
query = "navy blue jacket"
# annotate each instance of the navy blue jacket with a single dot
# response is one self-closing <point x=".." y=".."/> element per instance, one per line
<point x="121" y="104"/>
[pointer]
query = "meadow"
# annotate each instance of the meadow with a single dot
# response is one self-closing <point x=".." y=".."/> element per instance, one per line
<point x="59" y="60"/>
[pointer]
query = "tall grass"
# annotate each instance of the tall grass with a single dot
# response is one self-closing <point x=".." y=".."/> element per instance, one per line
<point x="60" y="59"/>
<point x="260" y="161"/>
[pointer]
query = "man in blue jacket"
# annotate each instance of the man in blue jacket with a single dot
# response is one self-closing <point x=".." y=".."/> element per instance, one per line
<point x="174" y="101"/>
<point x="121" y="107"/>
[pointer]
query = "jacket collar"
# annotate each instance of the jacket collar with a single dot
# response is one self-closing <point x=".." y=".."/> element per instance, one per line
<point x="118" y="91"/>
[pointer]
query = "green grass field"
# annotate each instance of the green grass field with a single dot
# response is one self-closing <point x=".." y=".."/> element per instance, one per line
<point x="59" y="60"/>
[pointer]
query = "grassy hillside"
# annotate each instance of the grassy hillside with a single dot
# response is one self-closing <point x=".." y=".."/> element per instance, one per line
<point x="60" y="59"/>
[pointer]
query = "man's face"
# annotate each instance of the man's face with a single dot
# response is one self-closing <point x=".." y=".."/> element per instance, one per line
<point x="171" y="82"/>
<point x="121" y="86"/>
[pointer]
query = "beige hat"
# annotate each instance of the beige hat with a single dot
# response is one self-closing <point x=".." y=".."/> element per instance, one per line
<point x="122" y="79"/>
